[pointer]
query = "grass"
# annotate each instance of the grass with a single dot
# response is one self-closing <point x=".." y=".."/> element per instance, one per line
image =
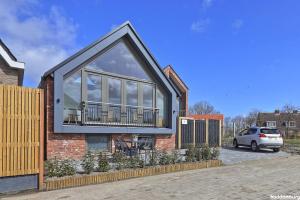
<point x="292" y="142"/>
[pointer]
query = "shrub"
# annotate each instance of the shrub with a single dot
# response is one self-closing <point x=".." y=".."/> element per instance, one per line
<point x="120" y="159"/>
<point x="206" y="152"/>
<point x="175" y="157"/>
<point x="88" y="162"/>
<point x="154" y="158"/>
<point x="103" y="164"/>
<point x="191" y="154"/>
<point x="60" y="168"/>
<point x="165" y="158"/>
<point x="215" y="153"/>
<point x="135" y="162"/>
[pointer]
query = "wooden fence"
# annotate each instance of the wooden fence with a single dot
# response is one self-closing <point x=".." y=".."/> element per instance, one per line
<point x="21" y="131"/>
<point x="197" y="132"/>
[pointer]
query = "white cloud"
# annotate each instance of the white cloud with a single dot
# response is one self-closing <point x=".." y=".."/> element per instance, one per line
<point x="200" y="26"/>
<point x="39" y="40"/>
<point x="237" y="24"/>
<point x="206" y="4"/>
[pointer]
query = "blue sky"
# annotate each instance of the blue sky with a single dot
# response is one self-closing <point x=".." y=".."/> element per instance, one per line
<point x="235" y="54"/>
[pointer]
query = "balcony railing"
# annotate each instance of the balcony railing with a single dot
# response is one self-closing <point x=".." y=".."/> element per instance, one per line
<point x="94" y="113"/>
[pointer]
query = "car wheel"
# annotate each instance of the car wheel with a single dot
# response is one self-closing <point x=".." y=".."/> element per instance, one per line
<point x="276" y="149"/>
<point x="235" y="144"/>
<point x="254" y="146"/>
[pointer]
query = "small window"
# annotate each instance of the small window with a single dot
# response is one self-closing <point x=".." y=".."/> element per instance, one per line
<point x="252" y="131"/>
<point x="291" y="124"/>
<point x="271" y="124"/>
<point x="97" y="143"/>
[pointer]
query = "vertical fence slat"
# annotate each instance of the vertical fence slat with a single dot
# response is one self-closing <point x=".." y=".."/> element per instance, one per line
<point x="1" y="130"/>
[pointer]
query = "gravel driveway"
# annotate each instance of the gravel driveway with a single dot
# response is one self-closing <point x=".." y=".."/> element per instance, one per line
<point x="247" y="180"/>
<point x="230" y="155"/>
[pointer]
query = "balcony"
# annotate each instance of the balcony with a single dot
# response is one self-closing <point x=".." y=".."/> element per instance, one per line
<point x="102" y="114"/>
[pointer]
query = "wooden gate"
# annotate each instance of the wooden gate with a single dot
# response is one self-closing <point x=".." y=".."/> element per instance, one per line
<point x="21" y="131"/>
<point x="197" y="132"/>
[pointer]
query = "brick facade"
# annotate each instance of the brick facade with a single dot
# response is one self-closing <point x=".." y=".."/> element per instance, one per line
<point x="8" y="75"/>
<point x="165" y="142"/>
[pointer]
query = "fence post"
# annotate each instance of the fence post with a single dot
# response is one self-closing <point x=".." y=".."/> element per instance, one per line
<point x="194" y="133"/>
<point x="220" y="132"/>
<point x="179" y="132"/>
<point x="41" y="164"/>
<point x="206" y="131"/>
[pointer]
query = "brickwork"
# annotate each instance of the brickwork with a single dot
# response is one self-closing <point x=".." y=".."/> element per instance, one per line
<point x="8" y="75"/>
<point x="165" y="142"/>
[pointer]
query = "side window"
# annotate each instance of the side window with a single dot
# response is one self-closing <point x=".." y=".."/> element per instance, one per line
<point x="244" y="132"/>
<point x="252" y="131"/>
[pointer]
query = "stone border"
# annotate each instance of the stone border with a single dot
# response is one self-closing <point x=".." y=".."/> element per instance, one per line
<point x="103" y="177"/>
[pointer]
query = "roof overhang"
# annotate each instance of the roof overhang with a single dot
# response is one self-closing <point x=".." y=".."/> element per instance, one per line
<point x="12" y="63"/>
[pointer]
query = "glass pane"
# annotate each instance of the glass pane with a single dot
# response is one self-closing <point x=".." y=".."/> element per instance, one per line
<point x="120" y="59"/>
<point x="97" y="142"/>
<point x="72" y="98"/>
<point x="147" y="95"/>
<point x="94" y="88"/>
<point x="132" y="93"/>
<point x="114" y="91"/>
<point x="161" y="103"/>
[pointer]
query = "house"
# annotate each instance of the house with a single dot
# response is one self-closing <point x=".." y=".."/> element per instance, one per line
<point x="112" y="90"/>
<point x="287" y="123"/>
<point x="11" y="70"/>
<point x="181" y="87"/>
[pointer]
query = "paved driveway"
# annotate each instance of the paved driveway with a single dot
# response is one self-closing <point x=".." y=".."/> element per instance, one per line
<point x="230" y="155"/>
<point x="247" y="180"/>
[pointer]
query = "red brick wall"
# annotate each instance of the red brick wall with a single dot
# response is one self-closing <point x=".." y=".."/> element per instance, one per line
<point x="62" y="146"/>
<point x="165" y="142"/>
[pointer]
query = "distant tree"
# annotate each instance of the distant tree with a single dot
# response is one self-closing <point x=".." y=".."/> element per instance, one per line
<point x="240" y="123"/>
<point x="251" y="118"/>
<point x="228" y="126"/>
<point x="202" y="108"/>
<point x="288" y="110"/>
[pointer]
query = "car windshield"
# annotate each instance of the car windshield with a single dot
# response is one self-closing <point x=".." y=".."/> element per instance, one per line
<point x="269" y="131"/>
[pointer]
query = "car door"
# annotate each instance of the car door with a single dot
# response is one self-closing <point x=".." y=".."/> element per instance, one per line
<point x="249" y="136"/>
<point x="241" y="136"/>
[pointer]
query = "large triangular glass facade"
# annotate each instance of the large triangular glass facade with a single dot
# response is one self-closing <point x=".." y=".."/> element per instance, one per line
<point x="120" y="59"/>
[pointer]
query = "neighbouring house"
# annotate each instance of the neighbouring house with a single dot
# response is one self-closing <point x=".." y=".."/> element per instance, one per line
<point x="11" y="70"/>
<point x="182" y="99"/>
<point x="287" y="123"/>
<point x="112" y="90"/>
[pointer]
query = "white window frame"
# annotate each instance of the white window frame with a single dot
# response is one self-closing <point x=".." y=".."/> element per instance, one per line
<point x="271" y="124"/>
<point x="288" y="123"/>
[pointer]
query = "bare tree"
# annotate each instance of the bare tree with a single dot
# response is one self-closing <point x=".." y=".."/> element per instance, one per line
<point x="202" y="108"/>
<point x="240" y="122"/>
<point x="251" y="118"/>
<point x="288" y="111"/>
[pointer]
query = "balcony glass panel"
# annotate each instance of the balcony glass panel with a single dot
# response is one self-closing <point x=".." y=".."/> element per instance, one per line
<point x="72" y="98"/>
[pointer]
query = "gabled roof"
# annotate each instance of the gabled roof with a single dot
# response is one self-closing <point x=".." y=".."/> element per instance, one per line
<point x="169" y="70"/>
<point x="107" y="40"/>
<point x="9" y="58"/>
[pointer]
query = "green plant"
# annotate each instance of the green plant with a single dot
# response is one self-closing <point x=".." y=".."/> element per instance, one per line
<point x="120" y="159"/>
<point x="191" y="154"/>
<point x="164" y="158"/>
<point x="103" y="164"/>
<point x="154" y="157"/>
<point x="60" y="168"/>
<point x="88" y="162"/>
<point x="215" y="153"/>
<point x="206" y="152"/>
<point x="135" y="162"/>
<point x="175" y="157"/>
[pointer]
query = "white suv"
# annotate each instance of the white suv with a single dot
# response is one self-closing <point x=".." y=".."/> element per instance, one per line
<point x="259" y="137"/>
